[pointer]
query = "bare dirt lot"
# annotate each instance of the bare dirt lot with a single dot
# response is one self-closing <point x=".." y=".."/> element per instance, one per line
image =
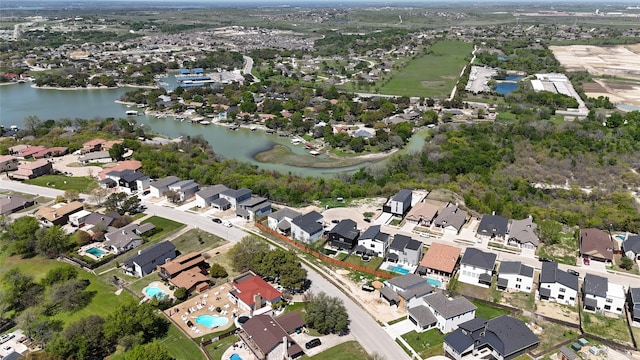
<point x="557" y="311"/>
<point x="616" y="61"/>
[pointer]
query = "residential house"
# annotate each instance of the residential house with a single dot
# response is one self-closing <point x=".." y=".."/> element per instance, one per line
<point x="253" y="294"/>
<point x="634" y="305"/>
<point x="254" y="208"/>
<point x="57" y="214"/>
<point x="492" y="227"/>
<point x="291" y="322"/>
<point x="344" y="235"/>
<point x="515" y="275"/>
<point x="405" y="250"/>
<point x="557" y="285"/>
<point x="401" y="290"/>
<point x="422" y="213"/>
<point x="436" y="310"/>
<point x="308" y="227"/>
<point x="373" y="242"/>
<point x="95" y="157"/>
<point x="93" y="145"/>
<point x="130" y="181"/>
<point x="596" y="245"/>
<point x="16" y="149"/>
<point x="441" y="260"/>
<point x="399" y="203"/>
<point x="12" y="203"/>
<point x="476" y="267"/>
<point x="501" y="338"/>
<point x="121" y="165"/>
<point x="523" y="234"/>
<point x="77" y="219"/>
<point x="206" y="195"/>
<point x="280" y="220"/>
<point x="146" y="261"/>
<point x="450" y="219"/>
<point x="188" y="271"/>
<point x="235" y="197"/>
<point x="267" y="339"/>
<point x="158" y="187"/>
<point x="631" y="247"/>
<point x="186" y="189"/>
<point x="50" y="152"/>
<point x="8" y="163"/>
<point x="598" y="294"/>
<point x="31" y="170"/>
<point x="26" y="153"/>
<point x="97" y="218"/>
<point x="126" y="238"/>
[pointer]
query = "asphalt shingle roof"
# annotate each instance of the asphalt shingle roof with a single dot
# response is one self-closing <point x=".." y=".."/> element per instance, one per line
<point x="515" y="267"/>
<point x="551" y="274"/>
<point x="595" y="285"/>
<point x="479" y="258"/>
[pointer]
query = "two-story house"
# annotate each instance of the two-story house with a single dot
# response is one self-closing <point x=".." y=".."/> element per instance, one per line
<point x="207" y="195"/>
<point x="476" y="267"/>
<point x="493" y="227"/>
<point x="436" y="310"/>
<point x="189" y="271"/>
<point x="253" y="294"/>
<point x="308" y="227"/>
<point x="157" y="188"/>
<point x="399" y="204"/>
<point x="281" y="220"/>
<point x="631" y="247"/>
<point x="373" y="242"/>
<point x="634" y="305"/>
<point x="344" y="235"/>
<point x="441" y="260"/>
<point x="450" y="219"/>
<point x="129" y="181"/>
<point x="146" y="261"/>
<point x="254" y="208"/>
<point x="186" y="189"/>
<point x="523" y="234"/>
<point x="515" y="275"/>
<point x="235" y="197"/>
<point x="401" y="290"/>
<point x="598" y="294"/>
<point x="596" y="245"/>
<point x="405" y="250"/>
<point x="557" y="285"/>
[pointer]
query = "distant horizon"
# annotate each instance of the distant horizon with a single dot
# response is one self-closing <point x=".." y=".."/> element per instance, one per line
<point x="316" y="3"/>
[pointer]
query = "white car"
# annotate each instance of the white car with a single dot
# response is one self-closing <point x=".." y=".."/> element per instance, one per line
<point x="227" y="224"/>
<point x="8" y="349"/>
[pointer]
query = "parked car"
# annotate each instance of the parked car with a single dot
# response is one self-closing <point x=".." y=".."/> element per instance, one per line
<point x="573" y="272"/>
<point x="543" y="259"/>
<point x="217" y="220"/>
<point x="586" y="261"/>
<point x="6" y="337"/>
<point x="227" y="224"/>
<point x="368" y="288"/>
<point x="313" y="343"/>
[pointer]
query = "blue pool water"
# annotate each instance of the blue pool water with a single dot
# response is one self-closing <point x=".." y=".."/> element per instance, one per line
<point x="235" y="357"/>
<point x="502" y="58"/>
<point x="95" y="252"/>
<point x="505" y="88"/>
<point x="211" y="321"/>
<point x="398" y="268"/>
<point x="514" y="78"/>
<point x="621" y="237"/>
<point x="152" y="291"/>
<point x="434" y="282"/>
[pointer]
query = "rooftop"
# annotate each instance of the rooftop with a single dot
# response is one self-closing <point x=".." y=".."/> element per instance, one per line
<point x="441" y="257"/>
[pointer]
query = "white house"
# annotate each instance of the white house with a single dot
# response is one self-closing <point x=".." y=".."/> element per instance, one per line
<point x="557" y="285"/>
<point x="78" y="218"/>
<point x="476" y="267"/>
<point x="281" y="220"/>
<point x="158" y="187"/>
<point x="206" y="195"/>
<point x="185" y="188"/>
<point x="399" y="203"/>
<point x="307" y="228"/>
<point x="436" y="310"/>
<point x="373" y="242"/>
<point x="515" y="275"/>
<point x="405" y="250"/>
<point x="598" y="295"/>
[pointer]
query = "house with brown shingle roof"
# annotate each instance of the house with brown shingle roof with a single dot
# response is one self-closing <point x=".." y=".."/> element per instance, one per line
<point x="120" y="166"/>
<point x="8" y="163"/>
<point x="188" y="271"/>
<point x="440" y="259"/>
<point x="596" y="244"/>
<point x="422" y="213"/>
<point x="93" y="145"/>
<point x="57" y="214"/>
<point x="266" y="339"/>
<point x="32" y="170"/>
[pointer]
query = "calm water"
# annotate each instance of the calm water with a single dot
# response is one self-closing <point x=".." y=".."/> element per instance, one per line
<point x="505" y="87"/>
<point x="21" y="100"/>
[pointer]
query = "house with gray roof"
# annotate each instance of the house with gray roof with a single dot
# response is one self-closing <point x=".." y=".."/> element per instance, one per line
<point x="97" y="218"/>
<point x="344" y="235"/>
<point x="631" y="247"/>
<point x="147" y="260"/>
<point x="450" y="219"/>
<point x="598" y="294"/>
<point x="254" y="208"/>
<point x="186" y="189"/>
<point x="158" y="187"/>
<point x="436" y="310"/>
<point x="373" y="242"/>
<point x="206" y="195"/>
<point x="523" y="234"/>
<point x="12" y="203"/>
<point x="126" y="238"/>
<point x="281" y="220"/>
<point x="557" y="285"/>
<point x="516" y="276"/>
<point x="476" y="267"/>
<point x="492" y="227"/>
<point x="307" y="228"/>
<point x="399" y="204"/>
<point x="502" y="338"/>
<point x="634" y="305"/>
<point x="235" y="197"/>
<point x="129" y="181"/>
<point x="400" y="290"/>
<point x="95" y="157"/>
<point x="405" y="250"/>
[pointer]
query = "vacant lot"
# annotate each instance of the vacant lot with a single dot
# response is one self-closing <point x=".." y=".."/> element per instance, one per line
<point x="550" y="334"/>
<point x="62" y="182"/>
<point x="164" y="227"/>
<point x="487" y="311"/>
<point x="563" y="252"/>
<point x="427" y="344"/>
<point x="607" y="327"/>
<point x="433" y="74"/>
<point x="346" y="351"/>
<point x="197" y="240"/>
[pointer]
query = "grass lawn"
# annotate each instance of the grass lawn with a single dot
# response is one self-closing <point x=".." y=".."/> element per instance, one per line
<point x="472" y="290"/>
<point x="218" y="348"/>
<point x="607" y="327"/>
<point x="617" y="258"/>
<point x="487" y="311"/>
<point x="197" y="240"/>
<point x="427" y="344"/>
<point x="552" y="333"/>
<point x="433" y="74"/>
<point x="62" y="182"/>
<point x="636" y="333"/>
<point x="350" y="350"/>
<point x="179" y="346"/>
<point x="519" y="300"/>
<point x="167" y="226"/>
<point x="137" y="285"/>
<point x="563" y="252"/>
<point x="373" y="264"/>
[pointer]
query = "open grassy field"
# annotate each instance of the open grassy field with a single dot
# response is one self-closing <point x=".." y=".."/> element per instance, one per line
<point x="218" y="348"/>
<point x="346" y="351"/>
<point x="433" y="74"/>
<point x="179" y="346"/>
<point x="373" y="264"/>
<point x="168" y="227"/>
<point x="427" y="344"/>
<point x="607" y="327"/>
<point x="487" y="311"/>
<point x="197" y="240"/>
<point x="552" y="334"/>
<point x="62" y="182"/>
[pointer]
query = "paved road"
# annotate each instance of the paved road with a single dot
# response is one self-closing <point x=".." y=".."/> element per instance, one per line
<point x="363" y="327"/>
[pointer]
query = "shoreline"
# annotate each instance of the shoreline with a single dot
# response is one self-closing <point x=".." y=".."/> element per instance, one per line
<point x="46" y="87"/>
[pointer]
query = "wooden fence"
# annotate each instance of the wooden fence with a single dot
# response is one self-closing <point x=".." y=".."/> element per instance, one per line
<point x="323" y="257"/>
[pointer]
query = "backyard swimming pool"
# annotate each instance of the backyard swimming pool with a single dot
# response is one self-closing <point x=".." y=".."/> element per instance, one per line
<point x="434" y="282"/>
<point x="235" y="357"/>
<point x="211" y="321"/>
<point x="95" y="252"/>
<point x="153" y="291"/>
<point x="620" y="237"/>
<point x="398" y="268"/>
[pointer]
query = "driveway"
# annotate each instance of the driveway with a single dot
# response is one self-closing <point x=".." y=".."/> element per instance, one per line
<point x="69" y="164"/>
<point x="400" y="328"/>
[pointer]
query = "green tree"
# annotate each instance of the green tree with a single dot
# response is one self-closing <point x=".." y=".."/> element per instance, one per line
<point x="181" y="293"/>
<point x="549" y="231"/>
<point x="83" y="339"/>
<point x="52" y="241"/>
<point x="244" y="253"/>
<point x="150" y="351"/>
<point x="626" y="263"/>
<point x="21" y="235"/>
<point x="21" y="291"/>
<point x="114" y="202"/>
<point x="131" y="205"/>
<point x="131" y="324"/>
<point x="117" y="152"/>
<point x="326" y="314"/>
<point x="68" y="296"/>
<point x="217" y="271"/>
<point x="59" y="274"/>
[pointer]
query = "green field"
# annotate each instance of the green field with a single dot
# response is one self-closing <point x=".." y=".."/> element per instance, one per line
<point x="487" y="311"/>
<point x="179" y="346"/>
<point x="372" y="264"/>
<point x="167" y="227"/>
<point x="433" y="74"/>
<point x="346" y="351"/>
<point x="218" y="348"/>
<point x="197" y="240"/>
<point x="427" y="344"/>
<point x="62" y="182"/>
